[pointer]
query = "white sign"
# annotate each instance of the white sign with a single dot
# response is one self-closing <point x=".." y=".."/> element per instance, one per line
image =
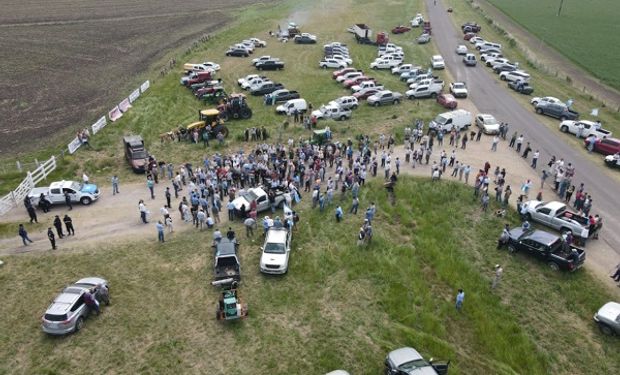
<point x="115" y="114"/>
<point x="145" y="86"/>
<point x="124" y="105"/>
<point x="100" y="124"/>
<point x="594" y="112"/>
<point x="134" y="95"/>
<point x="74" y="145"/>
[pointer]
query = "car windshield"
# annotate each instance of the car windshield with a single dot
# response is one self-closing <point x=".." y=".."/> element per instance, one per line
<point x="441" y="120"/>
<point x="76" y="186"/>
<point x="458" y="86"/>
<point x="274" y="248"/>
<point x="250" y="196"/>
<point x="490" y="120"/>
<point x="139" y="155"/>
<point x="408" y="366"/>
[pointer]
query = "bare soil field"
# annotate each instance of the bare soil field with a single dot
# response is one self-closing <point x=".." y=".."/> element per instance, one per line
<point x="66" y="63"/>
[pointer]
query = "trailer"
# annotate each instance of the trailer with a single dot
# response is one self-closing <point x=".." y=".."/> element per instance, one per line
<point x="363" y="35"/>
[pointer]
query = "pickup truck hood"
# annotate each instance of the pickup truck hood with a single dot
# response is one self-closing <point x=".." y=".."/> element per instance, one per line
<point x="90" y="189"/>
<point x="240" y="201"/>
<point x="270" y="258"/>
<point x="36" y="192"/>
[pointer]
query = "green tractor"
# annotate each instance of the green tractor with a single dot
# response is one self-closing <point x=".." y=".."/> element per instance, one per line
<point x="214" y="96"/>
<point x="230" y="306"/>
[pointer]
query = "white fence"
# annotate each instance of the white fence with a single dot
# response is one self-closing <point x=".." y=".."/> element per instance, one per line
<point x="14" y="198"/>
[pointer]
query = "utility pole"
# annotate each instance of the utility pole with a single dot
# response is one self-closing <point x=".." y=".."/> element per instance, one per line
<point x="560" y="9"/>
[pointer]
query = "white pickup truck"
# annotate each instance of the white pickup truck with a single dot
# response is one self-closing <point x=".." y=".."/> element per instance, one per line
<point x="557" y="216"/>
<point x="425" y="89"/>
<point x="332" y="111"/>
<point x="588" y="128"/>
<point x="366" y="85"/>
<point x="55" y="193"/>
<point x="260" y="196"/>
<point x="276" y="250"/>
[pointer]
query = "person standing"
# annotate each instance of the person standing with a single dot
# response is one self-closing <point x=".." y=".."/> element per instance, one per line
<point x="32" y="213"/>
<point x="338" y="214"/>
<point x="250" y="224"/>
<point x="519" y="143"/>
<point x="23" y="234"/>
<point x="354" y="206"/>
<point x="51" y="237"/>
<point x="535" y="159"/>
<point x="115" y="185"/>
<point x="151" y="185"/>
<point x="494" y="144"/>
<point x="160" y="231"/>
<point x="168" y="196"/>
<point x="460" y="298"/>
<point x="143" y="211"/>
<point x="513" y="140"/>
<point x="543" y="177"/>
<point x="69" y="225"/>
<point x="498" y="276"/>
<point x="527" y="150"/>
<point x="58" y="225"/>
<point x="68" y="200"/>
<point x="485" y="201"/>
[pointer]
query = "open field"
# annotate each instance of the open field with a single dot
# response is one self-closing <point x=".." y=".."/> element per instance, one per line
<point x="340" y="305"/>
<point x="67" y="63"/>
<point x="585" y="32"/>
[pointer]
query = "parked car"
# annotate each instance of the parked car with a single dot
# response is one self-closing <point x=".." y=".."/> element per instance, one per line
<point x="350" y="75"/>
<point x="521" y="87"/>
<point x="613" y="161"/>
<point x="364" y="84"/>
<point x="585" y="128"/>
<point x="384" y="64"/>
<point x="608" y="318"/>
<point x="304" y="39"/>
<point x="437" y="62"/>
<point x="258" y="43"/>
<point x="447" y="101"/>
<point x="423" y="38"/>
<point x="547" y="248"/>
<point x="471" y="27"/>
<point x="407" y="361"/>
<point x="470" y="59"/>
<point x="226" y="265"/>
<point x="68" y="311"/>
<point x="347" y="102"/>
<point x="332" y="64"/>
<point x="485" y="44"/>
<point x="289" y="108"/>
<point x="400" y="29"/>
<point x="259" y="195"/>
<point x="245" y="82"/>
<point x="488" y="57"/>
<point x="276" y="251"/>
<point x="384" y="97"/>
<point x="556" y="215"/>
<point x="344" y="71"/>
<point x="475" y="39"/>
<point x="497" y="61"/>
<point x="280" y="96"/>
<point x="332" y="111"/>
<point x="366" y="93"/>
<point x="211" y="65"/>
<point x="346" y="59"/>
<point x="265" y="88"/>
<point x="469" y="35"/>
<point x="545" y="100"/>
<point x="487" y="123"/>
<point x="135" y="153"/>
<point x="505" y="67"/>
<point x="461" y="49"/>
<point x="402" y="69"/>
<point x="55" y="193"/>
<point x="270" y="65"/>
<point x="356" y="80"/>
<point x="607" y="146"/>
<point x="557" y="110"/>
<point x="405" y="76"/>
<point x="513" y="76"/>
<point x="427" y="89"/>
<point x="458" y="119"/>
<point x="237" y="52"/>
<point x="458" y="89"/>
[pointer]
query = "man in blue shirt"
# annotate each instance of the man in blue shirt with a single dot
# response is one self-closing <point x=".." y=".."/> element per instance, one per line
<point x="460" y="297"/>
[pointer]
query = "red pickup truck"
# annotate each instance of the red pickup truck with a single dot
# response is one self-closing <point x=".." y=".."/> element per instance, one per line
<point x="195" y="77"/>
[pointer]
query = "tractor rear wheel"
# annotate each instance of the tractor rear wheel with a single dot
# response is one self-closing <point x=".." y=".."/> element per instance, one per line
<point x="224" y="116"/>
<point x="245" y="113"/>
<point x="220" y="129"/>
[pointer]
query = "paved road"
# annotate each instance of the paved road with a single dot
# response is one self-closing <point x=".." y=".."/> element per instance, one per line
<point x="491" y="96"/>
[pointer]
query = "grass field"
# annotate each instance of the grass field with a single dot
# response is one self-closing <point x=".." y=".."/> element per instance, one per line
<point x="340" y="305"/>
<point x="585" y="32"/>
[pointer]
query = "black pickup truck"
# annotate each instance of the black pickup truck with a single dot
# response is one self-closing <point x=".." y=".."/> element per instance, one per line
<point x="226" y="261"/>
<point x="267" y="88"/>
<point x="557" y="110"/>
<point x="270" y="65"/>
<point x="281" y="96"/>
<point x="547" y="247"/>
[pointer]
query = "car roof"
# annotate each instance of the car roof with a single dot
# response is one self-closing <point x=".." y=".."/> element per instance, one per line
<point x="486" y="116"/>
<point x="276" y="235"/>
<point x="541" y="236"/>
<point x="61" y="184"/>
<point x="610" y="310"/>
<point x="225" y="247"/>
<point x="91" y="281"/>
<point x="554" y="205"/>
<point x="404" y="355"/>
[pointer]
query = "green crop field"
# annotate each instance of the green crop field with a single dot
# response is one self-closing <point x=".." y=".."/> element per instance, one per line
<point x="339" y="306"/>
<point x="587" y="32"/>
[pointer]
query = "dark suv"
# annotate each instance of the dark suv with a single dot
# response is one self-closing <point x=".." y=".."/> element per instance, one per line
<point x="237" y="52"/>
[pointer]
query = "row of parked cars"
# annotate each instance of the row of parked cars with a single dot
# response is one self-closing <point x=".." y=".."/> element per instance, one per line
<point x="246" y="47"/>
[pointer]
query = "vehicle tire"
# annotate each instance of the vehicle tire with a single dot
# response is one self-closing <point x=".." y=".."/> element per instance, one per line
<point x="535" y="103"/>
<point x="376" y="104"/>
<point x="375" y="68"/>
<point x="246" y="113"/>
<point x="564" y="128"/>
<point x="539" y="111"/>
<point x="343" y="117"/>
<point x="605" y="329"/>
<point x="354" y="106"/>
<point x="324" y="66"/>
<point x="502" y="78"/>
<point x="79" y="324"/>
<point x="224" y="116"/>
<point x="86" y="201"/>
<point x="396" y="101"/>
<point x="528" y="217"/>
<point x="433" y="95"/>
<point x="235" y="115"/>
<point x="562" y="118"/>
<point x="220" y="128"/>
<point x="411" y="97"/>
<point x="512" y="249"/>
<point x="259" y="68"/>
<point x="554" y="266"/>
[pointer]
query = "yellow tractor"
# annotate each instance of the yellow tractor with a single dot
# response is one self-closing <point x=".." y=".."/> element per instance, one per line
<point x="212" y="118"/>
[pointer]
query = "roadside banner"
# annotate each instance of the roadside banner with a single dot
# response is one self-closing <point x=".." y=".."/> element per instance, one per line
<point x="114" y="114"/>
<point x="145" y="86"/>
<point x="74" y="145"/>
<point x="100" y="124"/>
<point x="124" y="105"/>
<point x="134" y="95"/>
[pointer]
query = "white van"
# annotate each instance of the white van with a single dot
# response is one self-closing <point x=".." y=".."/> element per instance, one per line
<point x="290" y="106"/>
<point x="459" y="119"/>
